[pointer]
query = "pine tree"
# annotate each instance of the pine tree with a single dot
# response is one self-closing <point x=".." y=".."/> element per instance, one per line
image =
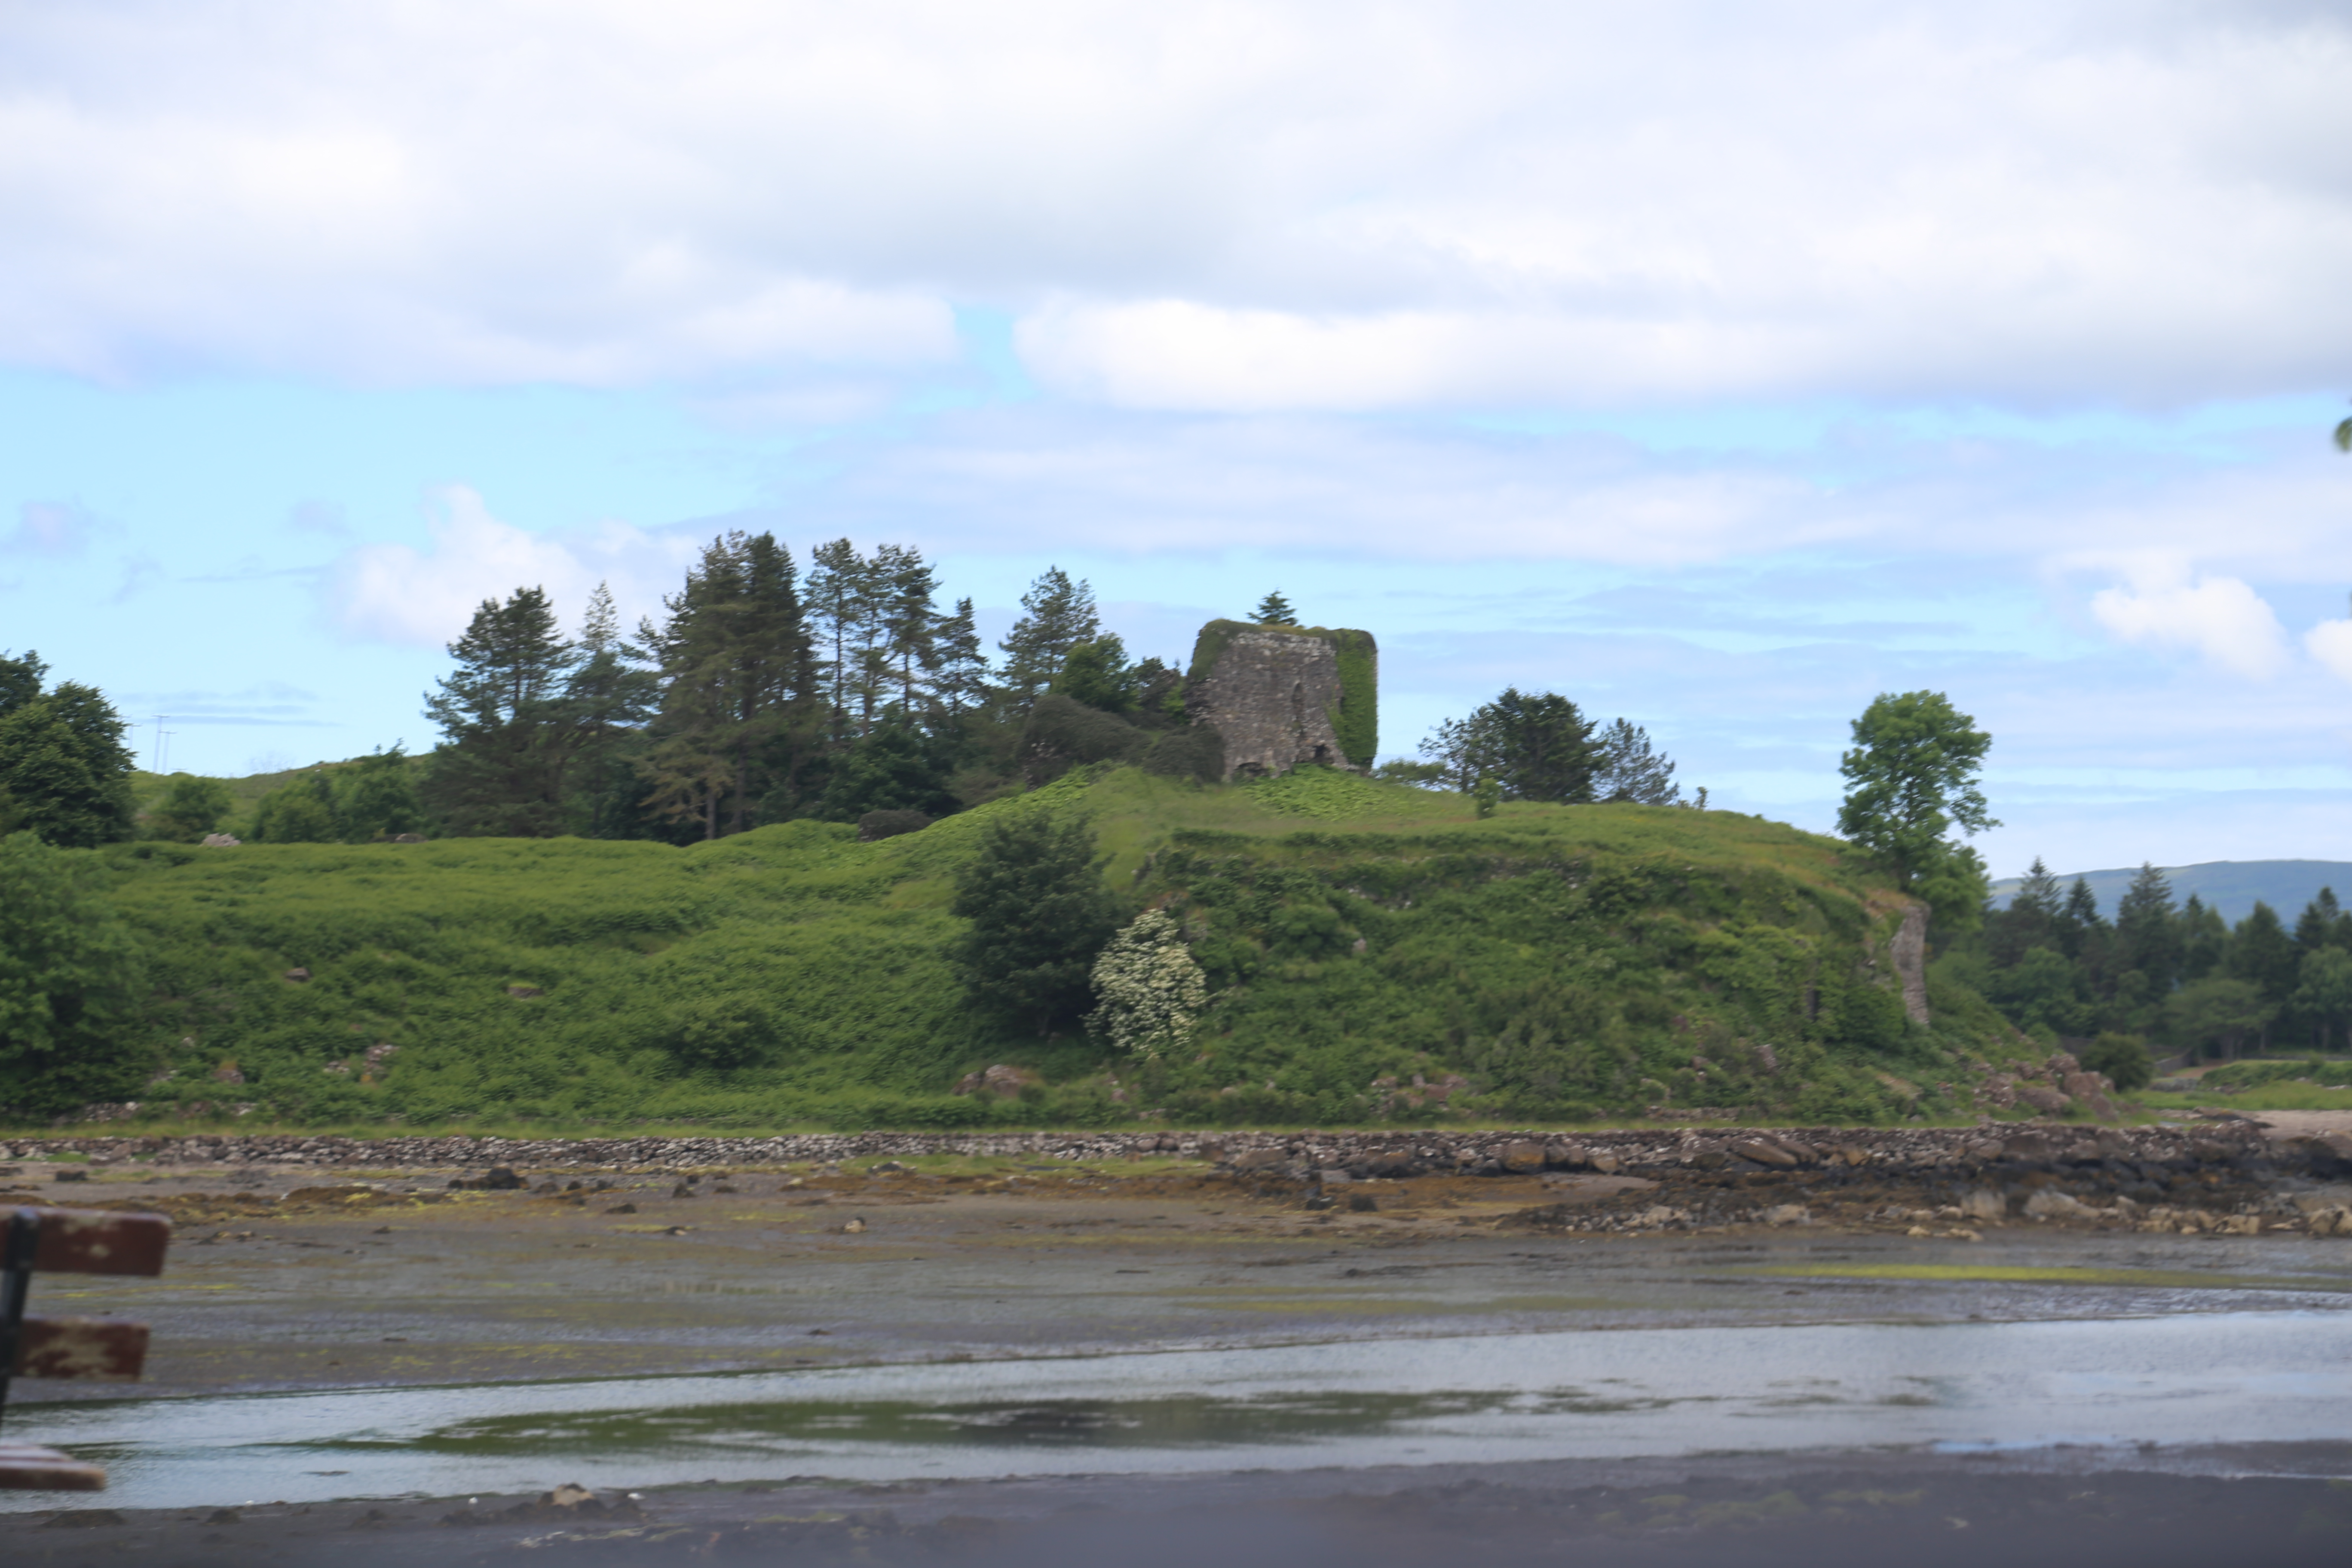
<point x="843" y="606"/>
<point x="1632" y="769"/>
<point x="1273" y="610"/>
<point x="1534" y="746"/>
<point x="962" y="682"/>
<point x="2148" y="935"/>
<point x="2321" y="922"/>
<point x="2204" y="940"/>
<point x="2264" y="955"/>
<point x="499" y="768"/>
<point x="1057" y="615"/>
<point x="608" y="701"/>
<point x="1040" y="914"/>
<point x="740" y="675"/>
<point x="910" y="625"/>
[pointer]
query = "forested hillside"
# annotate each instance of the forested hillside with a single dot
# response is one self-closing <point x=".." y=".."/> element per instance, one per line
<point x="2171" y="973"/>
<point x="1376" y="951"/>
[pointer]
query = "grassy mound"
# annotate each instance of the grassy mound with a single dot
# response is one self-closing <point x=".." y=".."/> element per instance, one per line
<point x="1380" y="953"/>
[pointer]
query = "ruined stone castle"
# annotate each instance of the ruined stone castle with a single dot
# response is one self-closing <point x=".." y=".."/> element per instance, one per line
<point x="1284" y="696"/>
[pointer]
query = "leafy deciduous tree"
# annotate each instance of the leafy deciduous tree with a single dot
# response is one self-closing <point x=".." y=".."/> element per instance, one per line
<point x="65" y="771"/>
<point x="1096" y="673"/>
<point x="300" y="811"/>
<point x="71" y="979"/>
<point x="1911" y="778"/>
<point x="375" y="798"/>
<point x="2325" y="991"/>
<point x="2219" y="1011"/>
<point x="189" y="809"/>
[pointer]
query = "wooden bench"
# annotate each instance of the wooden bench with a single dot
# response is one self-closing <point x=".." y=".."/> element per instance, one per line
<point x="68" y="1241"/>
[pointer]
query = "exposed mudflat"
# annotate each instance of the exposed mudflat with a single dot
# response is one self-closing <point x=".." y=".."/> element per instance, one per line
<point x="392" y="1278"/>
<point x="389" y="1278"/>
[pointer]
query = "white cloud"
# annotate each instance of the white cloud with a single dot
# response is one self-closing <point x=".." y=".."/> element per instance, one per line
<point x="1045" y="475"/>
<point x="391" y="592"/>
<point x="1272" y="204"/>
<point x="2219" y="617"/>
<point x="2330" y="642"/>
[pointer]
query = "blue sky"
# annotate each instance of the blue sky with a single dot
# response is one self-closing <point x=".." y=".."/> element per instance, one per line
<point x="1863" y="348"/>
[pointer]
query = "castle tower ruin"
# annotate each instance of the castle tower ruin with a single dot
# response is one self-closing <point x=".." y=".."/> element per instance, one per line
<point x="1286" y="696"/>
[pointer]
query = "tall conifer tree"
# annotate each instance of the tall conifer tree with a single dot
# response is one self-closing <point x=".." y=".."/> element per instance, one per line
<point x="1057" y="614"/>
<point x="740" y="678"/>
<point x="962" y="662"/>
<point x="499" y="770"/>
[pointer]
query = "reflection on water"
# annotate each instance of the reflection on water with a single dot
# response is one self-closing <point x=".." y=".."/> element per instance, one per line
<point x="2209" y="1378"/>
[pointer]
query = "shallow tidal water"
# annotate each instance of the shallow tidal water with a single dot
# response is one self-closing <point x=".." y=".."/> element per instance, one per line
<point x="2198" y="1378"/>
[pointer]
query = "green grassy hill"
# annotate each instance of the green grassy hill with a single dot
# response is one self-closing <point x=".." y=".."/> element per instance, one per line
<point x="1553" y="963"/>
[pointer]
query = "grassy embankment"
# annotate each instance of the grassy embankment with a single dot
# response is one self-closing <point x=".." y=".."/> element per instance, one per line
<point x="2269" y="1083"/>
<point x="1563" y="962"/>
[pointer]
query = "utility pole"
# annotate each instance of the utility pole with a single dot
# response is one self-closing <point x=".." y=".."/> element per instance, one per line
<point x="156" y="751"/>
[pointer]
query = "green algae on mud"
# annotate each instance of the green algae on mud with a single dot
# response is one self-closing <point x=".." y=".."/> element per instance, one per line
<point x="2021" y="1274"/>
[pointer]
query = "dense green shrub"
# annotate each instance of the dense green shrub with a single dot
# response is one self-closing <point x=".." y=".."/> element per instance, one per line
<point x="1062" y="734"/>
<point x="1196" y="752"/>
<point x="2123" y="1057"/>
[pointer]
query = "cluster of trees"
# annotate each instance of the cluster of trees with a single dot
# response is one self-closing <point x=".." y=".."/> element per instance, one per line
<point x="2177" y="973"/>
<point x="1541" y="746"/>
<point x="762" y="693"/>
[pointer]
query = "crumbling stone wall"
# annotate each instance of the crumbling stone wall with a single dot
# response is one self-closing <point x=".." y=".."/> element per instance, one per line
<point x="1273" y="694"/>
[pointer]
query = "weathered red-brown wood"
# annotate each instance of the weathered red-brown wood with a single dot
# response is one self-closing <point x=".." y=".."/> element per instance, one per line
<point x="23" y="1468"/>
<point x="94" y="1241"/>
<point x="102" y="1349"/>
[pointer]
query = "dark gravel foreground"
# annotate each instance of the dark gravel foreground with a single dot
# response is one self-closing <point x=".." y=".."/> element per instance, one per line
<point x="1923" y="1510"/>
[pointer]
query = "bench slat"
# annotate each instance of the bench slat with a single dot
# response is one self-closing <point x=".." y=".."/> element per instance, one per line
<point x="23" y="1468"/>
<point x="101" y="1349"/>
<point x="95" y="1241"/>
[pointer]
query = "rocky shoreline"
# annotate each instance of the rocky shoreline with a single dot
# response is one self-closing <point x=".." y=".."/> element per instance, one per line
<point x="2221" y="1177"/>
<point x="1649" y="1152"/>
<point x="1639" y="1151"/>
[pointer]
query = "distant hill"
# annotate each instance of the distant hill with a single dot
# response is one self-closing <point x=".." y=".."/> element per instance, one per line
<point x="2229" y="886"/>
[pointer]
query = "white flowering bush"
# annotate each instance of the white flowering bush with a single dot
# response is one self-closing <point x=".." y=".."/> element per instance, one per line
<point x="1149" y="991"/>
